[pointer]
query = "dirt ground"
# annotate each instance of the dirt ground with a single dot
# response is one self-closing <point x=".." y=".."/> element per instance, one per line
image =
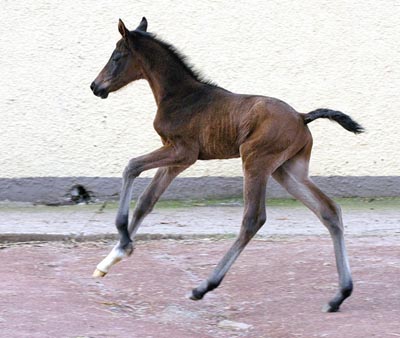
<point x="276" y="289"/>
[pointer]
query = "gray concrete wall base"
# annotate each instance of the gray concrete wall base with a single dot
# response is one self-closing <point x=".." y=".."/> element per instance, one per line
<point x="57" y="190"/>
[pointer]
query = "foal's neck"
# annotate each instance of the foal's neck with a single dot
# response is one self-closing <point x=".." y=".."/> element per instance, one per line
<point x="165" y="72"/>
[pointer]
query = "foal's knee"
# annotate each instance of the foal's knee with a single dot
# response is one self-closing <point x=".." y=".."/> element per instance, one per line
<point x="132" y="170"/>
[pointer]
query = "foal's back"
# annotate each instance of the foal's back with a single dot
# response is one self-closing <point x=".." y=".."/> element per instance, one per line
<point x="218" y="122"/>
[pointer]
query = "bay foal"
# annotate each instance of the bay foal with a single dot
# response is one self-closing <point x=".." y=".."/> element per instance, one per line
<point x="198" y="120"/>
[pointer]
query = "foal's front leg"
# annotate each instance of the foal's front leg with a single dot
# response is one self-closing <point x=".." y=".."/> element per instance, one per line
<point x="165" y="156"/>
<point x="145" y="204"/>
<point x="124" y="246"/>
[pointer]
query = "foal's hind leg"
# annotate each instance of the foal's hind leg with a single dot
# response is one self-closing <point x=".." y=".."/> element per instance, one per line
<point x="293" y="175"/>
<point x="162" y="179"/>
<point x="254" y="217"/>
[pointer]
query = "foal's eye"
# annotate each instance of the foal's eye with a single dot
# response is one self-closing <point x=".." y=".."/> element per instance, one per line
<point x="118" y="57"/>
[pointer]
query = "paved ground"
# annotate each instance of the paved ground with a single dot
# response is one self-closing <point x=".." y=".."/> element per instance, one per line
<point x="176" y="219"/>
<point x="275" y="290"/>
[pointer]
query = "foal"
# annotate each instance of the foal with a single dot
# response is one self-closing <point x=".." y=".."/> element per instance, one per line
<point x="198" y="120"/>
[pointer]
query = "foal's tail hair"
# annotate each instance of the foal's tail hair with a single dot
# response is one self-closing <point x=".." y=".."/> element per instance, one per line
<point x="344" y="120"/>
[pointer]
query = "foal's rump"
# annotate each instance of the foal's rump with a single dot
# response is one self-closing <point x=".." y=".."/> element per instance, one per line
<point x="272" y="128"/>
<point x="272" y="132"/>
<point x="298" y="162"/>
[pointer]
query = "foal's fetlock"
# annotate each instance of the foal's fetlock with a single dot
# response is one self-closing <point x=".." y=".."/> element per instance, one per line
<point x="128" y="248"/>
<point x="121" y="251"/>
<point x="334" y="304"/>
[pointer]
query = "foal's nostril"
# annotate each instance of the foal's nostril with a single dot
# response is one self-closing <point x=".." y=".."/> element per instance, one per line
<point x="92" y="86"/>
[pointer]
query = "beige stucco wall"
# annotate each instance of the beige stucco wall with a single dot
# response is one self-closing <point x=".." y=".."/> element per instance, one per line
<point x="316" y="53"/>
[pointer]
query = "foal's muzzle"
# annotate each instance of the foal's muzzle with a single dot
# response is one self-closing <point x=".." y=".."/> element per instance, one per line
<point x="98" y="90"/>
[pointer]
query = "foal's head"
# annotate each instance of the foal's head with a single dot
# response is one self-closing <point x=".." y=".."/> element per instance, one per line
<point x="123" y="66"/>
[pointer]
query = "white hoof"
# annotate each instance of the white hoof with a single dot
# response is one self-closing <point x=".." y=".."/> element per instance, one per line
<point x="97" y="273"/>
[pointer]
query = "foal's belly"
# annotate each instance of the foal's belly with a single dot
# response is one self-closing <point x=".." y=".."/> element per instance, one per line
<point x="206" y="155"/>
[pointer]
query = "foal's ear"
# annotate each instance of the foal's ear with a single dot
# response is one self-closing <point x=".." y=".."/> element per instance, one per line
<point x="143" y="25"/>
<point x="122" y="29"/>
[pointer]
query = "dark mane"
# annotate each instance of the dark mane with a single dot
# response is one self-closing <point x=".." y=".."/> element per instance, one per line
<point x="181" y="58"/>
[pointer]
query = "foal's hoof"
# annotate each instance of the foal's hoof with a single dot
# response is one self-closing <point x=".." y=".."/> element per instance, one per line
<point x="196" y="295"/>
<point x="97" y="273"/>
<point x="330" y="308"/>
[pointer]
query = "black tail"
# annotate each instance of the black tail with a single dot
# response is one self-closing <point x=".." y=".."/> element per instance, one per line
<point x="344" y="120"/>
